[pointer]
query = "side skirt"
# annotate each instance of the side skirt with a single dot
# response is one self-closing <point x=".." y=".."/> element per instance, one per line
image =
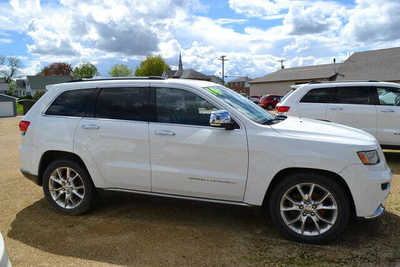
<point x="178" y="196"/>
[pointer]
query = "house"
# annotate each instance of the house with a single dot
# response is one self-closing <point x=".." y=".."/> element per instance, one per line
<point x="3" y="86"/>
<point x="34" y="84"/>
<point x="216" y="79"/>
<point x="240" y="85"/>
<point x="379" y="65"/>
<point x="279" y="82"/>
<point x="185" y="73"/>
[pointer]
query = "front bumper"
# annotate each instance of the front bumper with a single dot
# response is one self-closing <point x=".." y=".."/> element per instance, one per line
<point x="370" y="187"/>
<point x="378" y="213"/>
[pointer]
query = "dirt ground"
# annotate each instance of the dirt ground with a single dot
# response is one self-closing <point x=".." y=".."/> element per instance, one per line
<point x="126" y="229"/>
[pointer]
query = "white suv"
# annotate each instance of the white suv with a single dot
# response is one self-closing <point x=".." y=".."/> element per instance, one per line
<point x="371" y="106"/>
<point x="201" y="141"/>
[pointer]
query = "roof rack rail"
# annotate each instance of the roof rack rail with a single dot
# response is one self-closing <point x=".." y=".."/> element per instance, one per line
<point x="119" y="78"/>
<point x="341" y="81"/>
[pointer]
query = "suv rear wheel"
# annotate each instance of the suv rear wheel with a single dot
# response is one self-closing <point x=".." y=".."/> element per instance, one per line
<point x="310" y="208"/>
<point x="68" y="187"/>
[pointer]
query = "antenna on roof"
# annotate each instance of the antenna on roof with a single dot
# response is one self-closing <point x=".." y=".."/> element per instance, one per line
<point x="281" y="61"/>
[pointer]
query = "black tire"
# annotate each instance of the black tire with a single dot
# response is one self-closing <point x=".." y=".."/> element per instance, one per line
<point x="270" y="107"/>
<point x="337" y="191"/>
<point x="86" y="181"/>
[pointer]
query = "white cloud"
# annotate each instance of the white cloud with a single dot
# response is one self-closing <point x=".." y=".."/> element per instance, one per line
<point x="5" y="40"/>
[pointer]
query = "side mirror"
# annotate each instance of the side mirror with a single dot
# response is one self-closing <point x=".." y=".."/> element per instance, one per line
<point x="221" y="119"/>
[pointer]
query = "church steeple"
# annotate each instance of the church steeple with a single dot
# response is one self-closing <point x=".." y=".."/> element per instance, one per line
<point x="180" y="68"/>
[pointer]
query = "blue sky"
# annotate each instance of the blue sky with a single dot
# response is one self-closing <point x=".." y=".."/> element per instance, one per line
<point x="253" y="34"/>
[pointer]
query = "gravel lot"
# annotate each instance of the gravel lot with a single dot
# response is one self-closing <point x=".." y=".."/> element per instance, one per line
<point x="127" y="229"/>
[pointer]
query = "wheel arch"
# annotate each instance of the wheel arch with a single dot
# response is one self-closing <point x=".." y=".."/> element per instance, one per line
<point x="332" y="175"/>
<point x="52" y="155"/>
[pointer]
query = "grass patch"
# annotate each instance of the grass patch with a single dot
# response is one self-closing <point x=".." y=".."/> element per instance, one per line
<point x="20" y="109"/>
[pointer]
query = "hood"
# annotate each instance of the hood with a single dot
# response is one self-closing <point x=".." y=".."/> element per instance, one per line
<point x="303" y="128"/>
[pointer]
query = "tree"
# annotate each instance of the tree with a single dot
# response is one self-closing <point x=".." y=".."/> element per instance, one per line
<point x="12" y="86"/>
<point x="58" y="68"/>
<point x="120" y="70"/>
<point x="9" y="67"/>
<point x="152" y="66"/>
<point x="85" y="70"/>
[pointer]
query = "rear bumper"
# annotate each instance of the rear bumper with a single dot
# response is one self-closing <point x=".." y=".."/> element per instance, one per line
<point x="32" y="177"/>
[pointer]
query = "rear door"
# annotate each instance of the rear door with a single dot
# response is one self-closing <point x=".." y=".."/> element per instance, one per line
<point x="388" y="113"/>
<point x="354" y="106"/>
<point x="314" y="103"/>
<point x="116" y="140"/>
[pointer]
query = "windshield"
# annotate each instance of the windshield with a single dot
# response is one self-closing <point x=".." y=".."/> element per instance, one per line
<point x="241" y="103"/>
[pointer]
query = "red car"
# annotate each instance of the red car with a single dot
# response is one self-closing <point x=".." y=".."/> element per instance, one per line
<point x="269" y="101"/>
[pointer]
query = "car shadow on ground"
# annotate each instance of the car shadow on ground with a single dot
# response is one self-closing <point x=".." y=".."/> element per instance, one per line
<point x="131" y="229"/>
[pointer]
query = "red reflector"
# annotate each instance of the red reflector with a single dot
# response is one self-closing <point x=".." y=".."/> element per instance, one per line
<point x="23" y="126"/>
<point x="282" y="108"/>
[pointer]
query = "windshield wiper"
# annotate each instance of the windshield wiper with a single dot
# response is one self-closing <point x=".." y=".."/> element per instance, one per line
<point x="274" y="120"/>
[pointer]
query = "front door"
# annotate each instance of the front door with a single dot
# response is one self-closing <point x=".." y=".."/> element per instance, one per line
<point x="116" y="139"/>
<point x="388" y="110"/>
<point x="190" y="158"/>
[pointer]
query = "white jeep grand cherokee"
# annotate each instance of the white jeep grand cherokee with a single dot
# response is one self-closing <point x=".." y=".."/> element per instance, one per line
<point x="199" y="140"/>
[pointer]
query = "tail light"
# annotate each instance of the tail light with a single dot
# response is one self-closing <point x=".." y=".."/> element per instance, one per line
<point x="282" y="108"/>
<point x="23" y="126"/>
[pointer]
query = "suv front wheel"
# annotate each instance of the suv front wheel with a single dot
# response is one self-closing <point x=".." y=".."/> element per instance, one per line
<point x="68" y="187"/>
<point x="310" y="208"/>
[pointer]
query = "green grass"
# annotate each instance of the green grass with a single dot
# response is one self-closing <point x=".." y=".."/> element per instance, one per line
<point x="20" y="109"/>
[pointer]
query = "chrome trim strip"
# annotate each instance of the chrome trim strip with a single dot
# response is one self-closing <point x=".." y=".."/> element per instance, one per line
<point x="379" y="211"/>
<point x="178" y="196"/>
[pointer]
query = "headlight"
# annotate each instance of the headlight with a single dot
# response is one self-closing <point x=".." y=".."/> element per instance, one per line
<point x="369" y="157"/>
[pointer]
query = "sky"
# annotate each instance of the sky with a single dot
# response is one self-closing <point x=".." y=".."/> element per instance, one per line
<point x="253" y="34"/>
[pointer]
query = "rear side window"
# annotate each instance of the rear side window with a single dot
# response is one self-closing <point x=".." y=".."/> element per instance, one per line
<point x="75" y="103"/>
<point x="124" y="104"/>
<point x="320" y="95"/>
<point x="182" y="107"/>
<point x="353" y="95"/>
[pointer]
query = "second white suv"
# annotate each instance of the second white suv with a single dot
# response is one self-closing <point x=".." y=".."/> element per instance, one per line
<point x="371" y="106"/>
<point x="201" y="141"/>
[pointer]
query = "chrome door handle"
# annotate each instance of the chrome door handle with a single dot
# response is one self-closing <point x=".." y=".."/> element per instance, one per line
<point x="90" y="126"/>
<point x="336" y="108"/>
<point x="387" y="110"/>
<point x="164" y="132"/>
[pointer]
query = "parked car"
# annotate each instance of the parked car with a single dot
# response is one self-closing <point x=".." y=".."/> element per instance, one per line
<point x="269" y="101"/>
<point x="4" y="261"/>
<point x="202" y="141"/>
<point x="371" y="106"/>
<point x="255" y="98"/>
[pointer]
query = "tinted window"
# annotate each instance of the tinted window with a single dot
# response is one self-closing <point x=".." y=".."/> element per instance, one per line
<point x="389" y="96"/>
<point x="76" y="103"/>
<point x="183" y="107"/>
<point x="124" y="104"/>
<point x="321" y="95"/>
<point x="353" y="95"/>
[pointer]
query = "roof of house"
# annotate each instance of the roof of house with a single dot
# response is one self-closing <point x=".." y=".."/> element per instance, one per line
<point x="382" y="65"/>
<point x="215" y="79"/>
<point x="241" y="79"/>
<point x="324" y="71"/>
<point x="39" y="82"/>
<point x="186" y="74"/>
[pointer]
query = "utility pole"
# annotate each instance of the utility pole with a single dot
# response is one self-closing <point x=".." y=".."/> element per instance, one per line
<point x="281" y="61"/>
<point x="223" y="59"/>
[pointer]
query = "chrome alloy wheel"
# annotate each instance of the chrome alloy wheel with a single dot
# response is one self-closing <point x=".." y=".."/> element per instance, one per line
<point x="308" y="209"/>
<point x="66" y="187"/>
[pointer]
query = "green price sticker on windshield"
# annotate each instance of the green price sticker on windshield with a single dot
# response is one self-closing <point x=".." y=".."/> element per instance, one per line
<point x="214" y="91"/>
